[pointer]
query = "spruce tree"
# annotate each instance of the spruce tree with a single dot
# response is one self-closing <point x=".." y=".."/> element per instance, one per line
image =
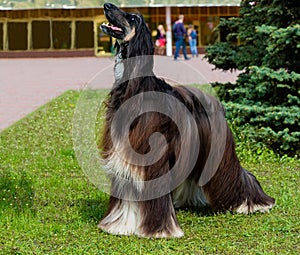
<point x="264" y="43"/>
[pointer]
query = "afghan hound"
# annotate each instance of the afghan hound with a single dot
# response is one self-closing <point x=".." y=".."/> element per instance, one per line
<point x="179" y="151"/>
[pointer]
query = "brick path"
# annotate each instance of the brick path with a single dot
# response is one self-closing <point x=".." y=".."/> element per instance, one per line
<point x="26" y="84"/>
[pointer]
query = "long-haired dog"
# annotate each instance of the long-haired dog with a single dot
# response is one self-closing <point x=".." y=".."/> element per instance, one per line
<point x="143" y="194"/>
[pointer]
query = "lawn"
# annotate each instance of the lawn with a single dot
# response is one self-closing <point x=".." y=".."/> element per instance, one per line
<point x="48" y="206"/>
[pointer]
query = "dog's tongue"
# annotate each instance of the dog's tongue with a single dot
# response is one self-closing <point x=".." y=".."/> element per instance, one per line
<point x="115" y="28"/>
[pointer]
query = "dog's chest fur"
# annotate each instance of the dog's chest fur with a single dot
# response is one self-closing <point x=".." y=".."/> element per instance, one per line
<point x="119" y="67"/>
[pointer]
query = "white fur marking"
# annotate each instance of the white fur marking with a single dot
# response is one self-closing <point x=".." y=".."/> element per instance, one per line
<point x="244" y="208"/>
<point x="119" y="67"/>
<point x="126" y="218"/>
<point x="189" y="193"/>
<point x="116" y="165"/>
<point x="122" y="220"/>
<point x="130" y="35"/>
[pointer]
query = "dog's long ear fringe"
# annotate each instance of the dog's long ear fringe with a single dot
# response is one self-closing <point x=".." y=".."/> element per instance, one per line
<point x="141" y="44"/>
<point x="117" y="46"/>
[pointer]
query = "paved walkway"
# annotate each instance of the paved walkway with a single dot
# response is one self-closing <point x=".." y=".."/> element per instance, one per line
<point x="26" y="84"/>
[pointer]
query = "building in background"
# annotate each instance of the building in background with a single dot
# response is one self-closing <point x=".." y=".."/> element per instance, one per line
<point x="36" y="28"/>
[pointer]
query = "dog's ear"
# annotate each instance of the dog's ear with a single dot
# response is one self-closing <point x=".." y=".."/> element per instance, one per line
<point x="141" y="44"/>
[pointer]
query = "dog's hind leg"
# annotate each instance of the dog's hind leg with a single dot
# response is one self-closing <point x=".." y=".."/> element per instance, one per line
<point x="256" y="200"/>
<point x="235" y="189"/>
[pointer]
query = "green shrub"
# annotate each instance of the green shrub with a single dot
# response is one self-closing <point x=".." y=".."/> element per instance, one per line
<point x="266" y="95"/>
<point x="269" y="106"/>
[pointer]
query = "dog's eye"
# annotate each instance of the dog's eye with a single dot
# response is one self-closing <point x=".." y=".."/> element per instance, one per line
<point x="133" y="18"/>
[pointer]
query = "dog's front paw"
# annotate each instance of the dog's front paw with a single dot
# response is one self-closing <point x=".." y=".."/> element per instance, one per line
<point x="167" y="228"/>
<point x="123" y="219"/>
<point x="127" y="230"/>
<point x="174" y="233"/>
<point x="117" y="229"/>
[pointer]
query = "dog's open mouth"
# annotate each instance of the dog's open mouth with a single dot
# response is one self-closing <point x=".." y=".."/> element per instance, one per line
<point x="112" y="27"/>
<point x="112" y="30"/>
<point x="116" y="24"/>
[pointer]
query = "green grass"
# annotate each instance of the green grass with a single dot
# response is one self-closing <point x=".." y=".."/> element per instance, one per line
<point x="48" y="206"/>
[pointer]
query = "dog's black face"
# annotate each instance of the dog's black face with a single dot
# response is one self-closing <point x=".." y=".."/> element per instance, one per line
<point x="131" y="31"/>
<point x="122" y="25"/>
<point x="133" y="40"/>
